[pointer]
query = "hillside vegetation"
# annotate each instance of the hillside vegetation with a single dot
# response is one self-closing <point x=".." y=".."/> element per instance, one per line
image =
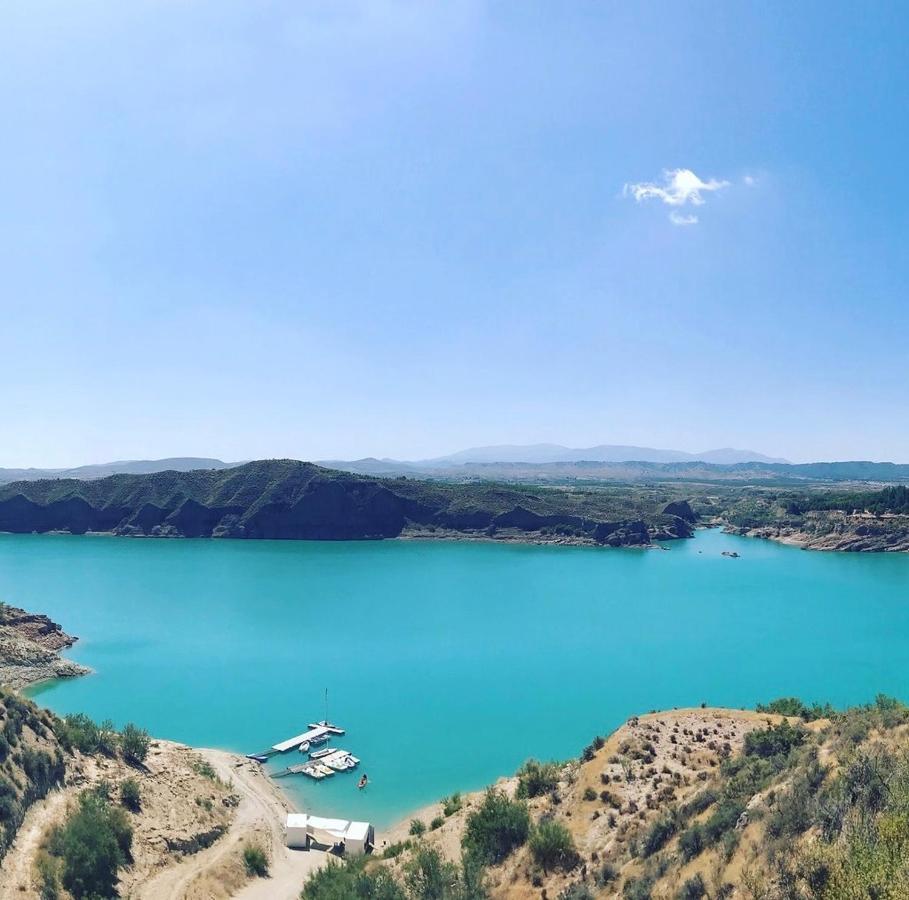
<point x="855" y="520"/>
<point x="290" y="499"/>
<point x="681" y="805"/>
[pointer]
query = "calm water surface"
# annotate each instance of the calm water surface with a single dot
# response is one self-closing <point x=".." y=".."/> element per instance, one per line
<point x="450" y="663"/>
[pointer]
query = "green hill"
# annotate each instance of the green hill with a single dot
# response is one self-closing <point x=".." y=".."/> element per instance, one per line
<point x="298" y="500"/>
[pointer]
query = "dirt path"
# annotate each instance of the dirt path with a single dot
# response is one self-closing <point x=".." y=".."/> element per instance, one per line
<point x="16" y="874"/>
<point x="218" y="872"/>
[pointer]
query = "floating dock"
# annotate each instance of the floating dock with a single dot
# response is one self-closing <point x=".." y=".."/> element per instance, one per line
<point x="316" y="731"/>
<point x="337" y="761"/>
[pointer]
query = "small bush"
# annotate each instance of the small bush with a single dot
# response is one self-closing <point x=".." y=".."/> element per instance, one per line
<point x="417" y="827"/>
<point x="590" y="794"/>
<point x="552" y="846"/>
<point x="691" y="841"/>
<point x="135" y="743"/>
<point x="657" y="836"/>
<point x="496" y="827"/>
<point x="130" y="795"/>
<point x="94" y="843"/>
<point x="204" y="768"/>
<point x="393" y="851"/>
<point x="536" y="778"/>
<point x="255" y="861"/>
<point x="693" y="889"/>
<point x="348" y="880"/>
<point x="777" y="740"/>
<point x="436" y="823"/>
<point x="451" y="805"/>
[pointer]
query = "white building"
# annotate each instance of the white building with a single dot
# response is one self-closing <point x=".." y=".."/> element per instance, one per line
<point x="302" y="830"/>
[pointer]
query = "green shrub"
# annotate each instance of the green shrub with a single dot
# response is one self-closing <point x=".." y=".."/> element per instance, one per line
<point x="638" y="888"/>
<point x="777" y="740"/>
<point x="78" y="732"/>
<point x="792" y="706"/>
<point x="697" y="804"/>
<point x="428" y="876"/>
<point x="255" y="861"/>
<point x="451" y="805"/>
<point x="496" y="827"/>
<point x="204" y="768"/>
<point x="436" y="823"/>
<point x="723" y="819"/>
<point x="393" y="851"/>
<point x="536" y="778"/>
<point x="693" y="889"/>
<point x="657" y="836"/>
<point x="135" y="743"/>
<point x="417" y="827"/>
<point x="94" y="842"/>
<point x="130" y="795"/>
<point x="350" y="881"/>
<point x="48" y="871"/>
<point x="107" y="738"/>
<point x="577" y="891"/>
<point x="692" y="841"/>
<point x="590" y="794"/>
<point x="552" y="846"/>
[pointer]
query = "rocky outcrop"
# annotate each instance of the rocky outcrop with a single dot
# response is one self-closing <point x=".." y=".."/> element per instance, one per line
<point x="680" y="509"/>
<point x="833" y="530"/>
<point x="29" y="649"/>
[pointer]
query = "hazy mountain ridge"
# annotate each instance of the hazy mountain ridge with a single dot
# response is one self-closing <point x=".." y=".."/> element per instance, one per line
<point x="119" y="467"/>
<point x="551" y="453"/>
<point x="637" y="471"/>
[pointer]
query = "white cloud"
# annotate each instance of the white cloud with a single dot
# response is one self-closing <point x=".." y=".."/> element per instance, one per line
<point x="680" y="187"/>
<point x="750" y="180"/>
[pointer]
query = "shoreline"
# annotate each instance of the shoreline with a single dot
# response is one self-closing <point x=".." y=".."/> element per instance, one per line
<point x="30" y="646"/>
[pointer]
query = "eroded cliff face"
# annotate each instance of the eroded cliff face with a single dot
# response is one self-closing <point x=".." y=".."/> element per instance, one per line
<point x="29" y="649"/>
<point x="834" y="530"/>
<point x="284" y="499"/>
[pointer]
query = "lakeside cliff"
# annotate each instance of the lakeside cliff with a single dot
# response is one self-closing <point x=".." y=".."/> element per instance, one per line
<point x="287" y="499"/>
<point x="29" y="649"/>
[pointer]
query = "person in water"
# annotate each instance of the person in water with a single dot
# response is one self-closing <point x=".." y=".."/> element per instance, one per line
<point x="363" y="781"/>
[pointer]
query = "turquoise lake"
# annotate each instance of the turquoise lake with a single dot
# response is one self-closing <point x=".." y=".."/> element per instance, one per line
<point x="450" y="663"/>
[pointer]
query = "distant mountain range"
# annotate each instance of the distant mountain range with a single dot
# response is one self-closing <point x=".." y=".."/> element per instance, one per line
<point x="552" y="453"/>
<point x="537" y="463"/>
<point x="121" y="467"/>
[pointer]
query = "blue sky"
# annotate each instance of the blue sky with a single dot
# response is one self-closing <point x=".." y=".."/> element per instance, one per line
<point x="338" y="229"/>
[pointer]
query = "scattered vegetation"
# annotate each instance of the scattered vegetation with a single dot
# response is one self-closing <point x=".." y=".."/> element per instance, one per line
<point x="130" y="795"/>
<point x="552" y="846"/>
<point x="452" y="804"/>
<point x="496" y="827"/>
<point x="255" y="861"/>
<point x="85" y="854"/>
<point x="135" y="743"/>
<point x="536" y="778"/>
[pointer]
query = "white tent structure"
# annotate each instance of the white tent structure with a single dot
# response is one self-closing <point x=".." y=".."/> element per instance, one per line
<point x="302" y="830"/>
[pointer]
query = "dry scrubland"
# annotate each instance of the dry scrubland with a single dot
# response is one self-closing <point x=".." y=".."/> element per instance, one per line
<point x="181" y="821"/>
<point x="688" y="804"/>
